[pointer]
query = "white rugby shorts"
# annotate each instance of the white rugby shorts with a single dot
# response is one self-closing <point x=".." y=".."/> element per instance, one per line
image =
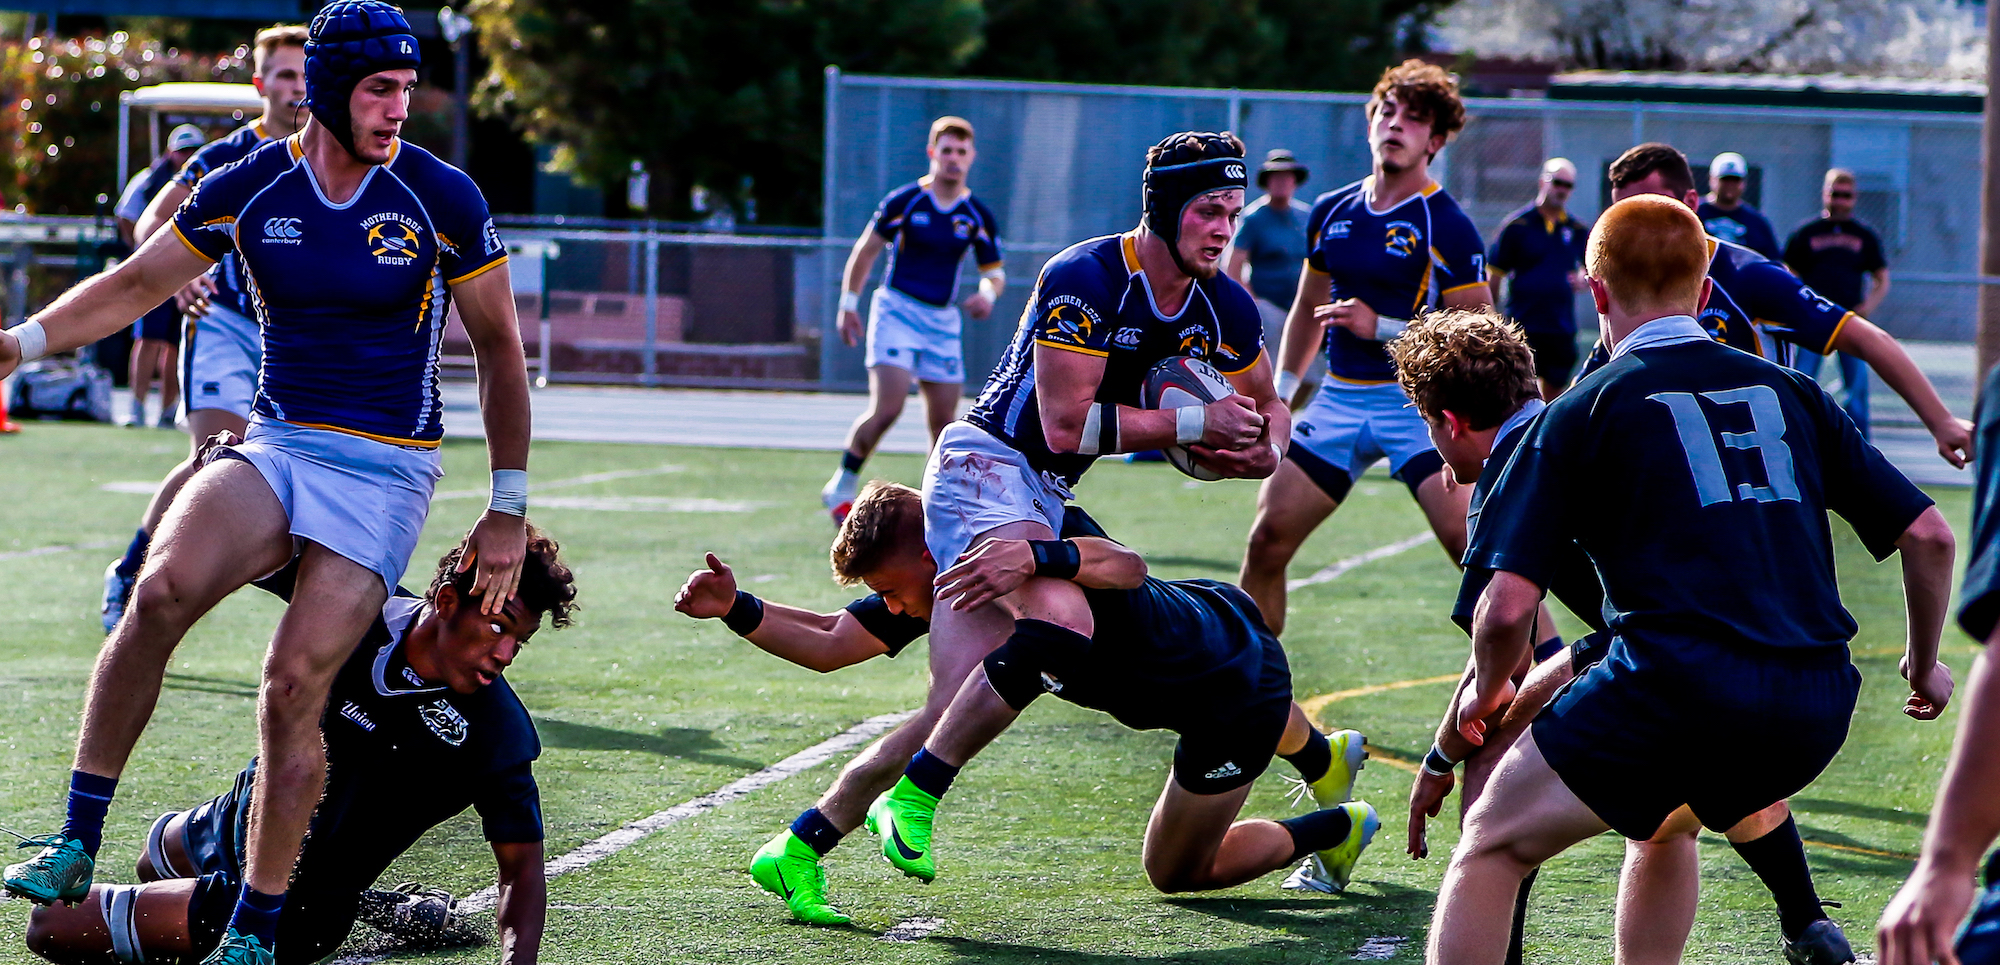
<point x="221" y="353"/>
<point x="974" y="483"/>
<point x="916" y="337"/>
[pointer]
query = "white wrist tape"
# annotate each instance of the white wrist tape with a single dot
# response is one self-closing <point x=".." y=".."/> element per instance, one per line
<point x="34" y="341"/>
<point x="510" y="492"/>
<point x="1387" y="328"/>
<point x="1190" y="422"/>
<point x="1288" y="386"/>
<point x="995" y="274"/>
<point x="850" y="301"/>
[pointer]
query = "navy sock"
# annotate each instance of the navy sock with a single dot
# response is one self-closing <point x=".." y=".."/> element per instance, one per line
<point x="1779" y="858"/>
<point x="851" y="462"/>
<point x="1317" y="831"/>
<point x="1314" y="759"/>
<point x="257" y="914"/>
<point x="1520" y="936"/>
<point x="816" y="831"/>
<point x="89" y="798"/>
<point x="135" y="554"/>
<point x="930" y="773"/>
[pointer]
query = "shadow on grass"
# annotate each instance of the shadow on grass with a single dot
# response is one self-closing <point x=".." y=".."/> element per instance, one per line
<point x="211" y="685"/>
<point x="1814" y="805"/>
<point x="1195" y="562"/>
<point x="686" y="743"/>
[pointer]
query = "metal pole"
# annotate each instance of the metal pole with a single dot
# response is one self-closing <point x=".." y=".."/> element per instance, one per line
<point x="1989" y="220"/>
<point x="829" y="337"/>
<point x="1638" y="124"/>
<point x="651" y="371"/>
<point x="461" y="132"/>
<point x="1235" y="114"/>
<point x="547" y="328"/>
<point x="124" y="141"/>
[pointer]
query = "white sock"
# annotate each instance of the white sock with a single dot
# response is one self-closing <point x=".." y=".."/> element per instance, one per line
<point x="843" y="483"/>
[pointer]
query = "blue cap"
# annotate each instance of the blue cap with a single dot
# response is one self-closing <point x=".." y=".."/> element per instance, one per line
<point x="348" y="41"/>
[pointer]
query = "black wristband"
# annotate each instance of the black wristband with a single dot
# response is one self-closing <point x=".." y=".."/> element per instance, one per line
<point x="746" y="615"/>
<point x="1057" y="558"/>
<point x="1436" y="763"/>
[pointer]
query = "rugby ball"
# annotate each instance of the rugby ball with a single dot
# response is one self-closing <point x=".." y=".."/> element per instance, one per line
<point x="1183" y="381"/>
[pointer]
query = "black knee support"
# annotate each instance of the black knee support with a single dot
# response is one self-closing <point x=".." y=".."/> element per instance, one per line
<point x="1032" y="661"/>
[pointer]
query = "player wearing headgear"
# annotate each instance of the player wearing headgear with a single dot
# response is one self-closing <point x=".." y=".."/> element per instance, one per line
<point x="913" y="329"/>
<point x="1759" y="307"/>
<point x="1737" y="461"/>
<point x="353" y="246"/>
<point x="1067" y="391"/>
<point x="221" y="347"/>
<point x="1190" y="656"/>
<point x="1383" y="249"/>
<point x="420" y="726"/>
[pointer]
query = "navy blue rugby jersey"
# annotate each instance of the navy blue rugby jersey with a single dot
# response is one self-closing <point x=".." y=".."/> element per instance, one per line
<point x="227" y="273"/>
<point x="1979" y="598"/>
<point x="351" y="297"/>
<point x="926" y="242"/>
<point x="1698" y="479"/>
<point x="1093" y="298"/>
<point x="1397" y="262"/>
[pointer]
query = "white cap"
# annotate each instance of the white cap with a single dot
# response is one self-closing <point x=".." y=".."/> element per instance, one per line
<point x="185" y="137"/>
<point x="1728" y="164"/>
<point x="1558" y="165"/>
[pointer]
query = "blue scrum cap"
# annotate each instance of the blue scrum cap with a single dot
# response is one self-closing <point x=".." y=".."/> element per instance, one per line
<point x="348" y="41"/>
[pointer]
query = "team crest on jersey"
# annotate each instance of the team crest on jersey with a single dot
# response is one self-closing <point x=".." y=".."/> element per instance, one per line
<point x="1194" y="341"/>
<point x="445" y="721"/>
<point x="392" y="238"/>
<point x="1339" y="229"/>
<point x="920" y="217"/>
<point x="1068" y="319"/>
<point x="1402" y="239"/>
<point x="962" y="225"/>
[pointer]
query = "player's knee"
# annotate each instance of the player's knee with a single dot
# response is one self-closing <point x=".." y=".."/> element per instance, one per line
<point x="44" y="937"/>
<point x="293" y="690"/>
<point x="1168" y="879"/>
<point x="161" y="598"/>
<point x="1270" y="545"/>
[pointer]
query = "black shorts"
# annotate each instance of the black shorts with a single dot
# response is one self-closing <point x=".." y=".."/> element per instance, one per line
<point x="1725" y="732"/>
<point x="317" y="916"/>
<point x="1227" y="743"/>
<point x="162" y="323"/>
<point x="1555" y="355"/>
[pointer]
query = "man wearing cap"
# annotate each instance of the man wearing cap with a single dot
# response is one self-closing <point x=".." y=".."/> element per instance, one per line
<point x="1542" y="248"/>
<point x="356" y="244"/>
<point x="153" y="334"/>
<point x="1271" y="241"/>
<point x="1727" y="216"/>
<point x="913" y="327"/>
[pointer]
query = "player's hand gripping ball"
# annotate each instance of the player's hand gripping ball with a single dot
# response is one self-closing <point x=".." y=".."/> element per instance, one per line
<point x="1179" y="382"/>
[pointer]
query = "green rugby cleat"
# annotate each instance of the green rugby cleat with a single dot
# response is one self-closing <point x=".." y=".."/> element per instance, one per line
<point x="61" y="871"/>
<point x="789" y="868"/>
<point x="239" y="949"/>
<point x="903" y="818"/>
<point x="1329" y="871"/>
<point x="1336" y="786"/>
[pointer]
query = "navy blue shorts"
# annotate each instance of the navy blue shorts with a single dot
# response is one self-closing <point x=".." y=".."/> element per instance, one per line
<point x="316" y="918"/>
<point x="1649" y="728"/>
<point x="1229" y="740"/>
<point x="162" y="323"/>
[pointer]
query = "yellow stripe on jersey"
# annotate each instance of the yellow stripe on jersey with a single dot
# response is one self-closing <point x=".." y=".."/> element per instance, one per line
<point x="476" y="272"/>
<point x="389" y="440"/>
<point x="190" y="245"/>
<point x="1460" y="288"/>
<point x="1253" y="364"/>
<point x="1835" y="337"/>
<point x="1080" y="350"/>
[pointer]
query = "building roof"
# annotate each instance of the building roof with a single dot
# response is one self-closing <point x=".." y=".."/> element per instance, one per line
<point x="1772" y="90"/>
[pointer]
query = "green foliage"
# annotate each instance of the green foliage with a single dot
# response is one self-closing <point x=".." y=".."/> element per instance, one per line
<point x="702" y="93"/>
<point x="59" y="137"/>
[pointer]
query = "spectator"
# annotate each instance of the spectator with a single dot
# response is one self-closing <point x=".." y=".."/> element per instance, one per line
<point x="155" y="335"/>
<point x="1832" y="254"/>
<point x="1541" y="246"/>
<point x="1271" y="241"/>
<point x="1727" y="216"/>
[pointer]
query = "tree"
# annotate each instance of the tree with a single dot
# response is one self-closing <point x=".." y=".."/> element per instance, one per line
<point x="705" y="93"/>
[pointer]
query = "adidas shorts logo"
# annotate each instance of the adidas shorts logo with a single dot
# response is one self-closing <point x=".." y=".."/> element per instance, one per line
<point x="1228" y="769"/>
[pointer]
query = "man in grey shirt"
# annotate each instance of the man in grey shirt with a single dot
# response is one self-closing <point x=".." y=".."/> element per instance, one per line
<point x="1271" y="241"/>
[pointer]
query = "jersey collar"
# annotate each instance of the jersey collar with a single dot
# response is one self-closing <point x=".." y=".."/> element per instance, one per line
<point x="1368" y="196"/>
<point x="1528" y="410"/>
<point x="403" y="681"/>
<point x="1668" y="330"/>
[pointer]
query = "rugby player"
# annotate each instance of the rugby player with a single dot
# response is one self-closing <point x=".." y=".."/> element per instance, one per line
<point x="221" y="347"/>
<point x="420" y="725"/>
<point x="1191" y="656"/>
<point x="1737" y="461"/>
<point x="341" y="453"/>
<point x="913" y="330"/>
<point x="1922" y="922"/>
<point x="1383" y="249"/>
<point x="1758" y="306"/>
<point x="1067" y="391"/>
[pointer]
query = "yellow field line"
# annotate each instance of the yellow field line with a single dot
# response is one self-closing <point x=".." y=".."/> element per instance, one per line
<point x="1313" y="705"/>
<point x="1857" y="849"/>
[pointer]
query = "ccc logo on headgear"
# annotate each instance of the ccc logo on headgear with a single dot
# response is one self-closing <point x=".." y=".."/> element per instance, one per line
<point x="1233" y="172"/>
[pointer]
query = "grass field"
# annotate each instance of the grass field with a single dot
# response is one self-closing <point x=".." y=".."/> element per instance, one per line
<point x="640" y="708"/>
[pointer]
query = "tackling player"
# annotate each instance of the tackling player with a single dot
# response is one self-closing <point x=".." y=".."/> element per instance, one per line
<point x="221" y="348"/>
<point x="421" y="725"/>
<point x="354" y="244"/>
<point x="1190" y="656"/>
<point x="1103" y="313"/>
<point x="1759" y="307"/>
<point x="1383" y="249"/>
<point x="1737" y="461"/>
<point x="913" y="330"/>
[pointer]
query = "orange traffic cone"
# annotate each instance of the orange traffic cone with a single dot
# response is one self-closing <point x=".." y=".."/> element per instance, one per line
<point x="6" y="425"/>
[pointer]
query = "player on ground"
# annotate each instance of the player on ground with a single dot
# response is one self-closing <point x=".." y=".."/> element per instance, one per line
<point x="1541" y="246"/>
<point x="1737" y="461"/>
<point x="1383" y="249"/>
<point x="220" y="345"/>
<point x="1922" y="922"/>
<point x="342" y="450"/>
<point x="1104" y="312"/>
<point x="1190" y="656"/>
<point x="420" y="725"/>
<point x="1758" y="306"/>
<point x="913" y="329"/>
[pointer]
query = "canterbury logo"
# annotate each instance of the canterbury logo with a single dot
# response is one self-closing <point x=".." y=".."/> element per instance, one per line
<point x="403" y="47"/>
<point x="282" y="228"/>
<point x="1228" y="769"/>
<point x="1234" y="172"/>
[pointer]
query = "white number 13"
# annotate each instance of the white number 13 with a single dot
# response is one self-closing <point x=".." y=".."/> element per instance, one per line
<point x="1766" y="435"/>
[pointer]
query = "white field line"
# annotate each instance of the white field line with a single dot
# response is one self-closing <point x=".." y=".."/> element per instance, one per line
<point x="58" y="548"/>
<point x="1334" y="571"/>
<point x="596" y="477"/>
<point x="131" y="487"/>
<point x="1380" y="947"/>
<point x="911" y="929"/>
<point x="650" y="504"/>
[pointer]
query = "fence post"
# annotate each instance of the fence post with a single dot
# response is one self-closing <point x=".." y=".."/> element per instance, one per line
<point x="1987" y="336"/>
<point x="548" y="329"/>
<point x="829" y="336"/>
<point x="651" y="370"/>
